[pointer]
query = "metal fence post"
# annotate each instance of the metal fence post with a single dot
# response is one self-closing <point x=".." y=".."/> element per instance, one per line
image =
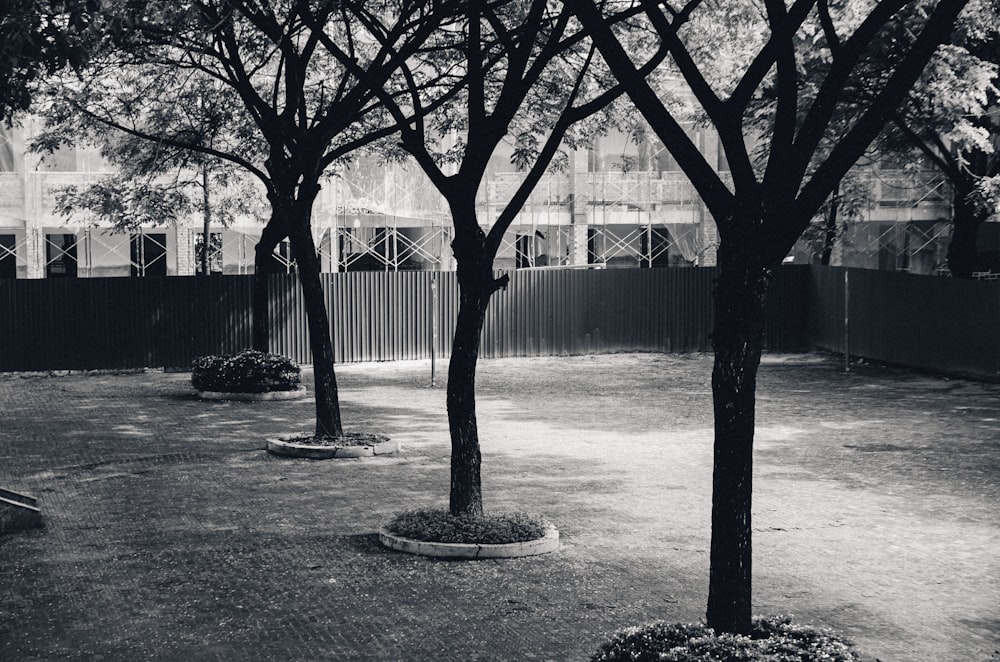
<point x="847" y="322"/>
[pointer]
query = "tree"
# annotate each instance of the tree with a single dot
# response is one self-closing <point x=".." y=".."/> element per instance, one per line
<point x="525" y="73"/>
<point x="767" y="208"/>
<point x="39" y="38"/>
<point x="846" y="205"/>
<point x="950" y="118"/>
<point x="306" y="108"/>
<point x="153" y="183"/>
<point x="162" y="125"/>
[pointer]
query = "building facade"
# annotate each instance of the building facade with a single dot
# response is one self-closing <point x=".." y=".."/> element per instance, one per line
<point x="623" y="203"/>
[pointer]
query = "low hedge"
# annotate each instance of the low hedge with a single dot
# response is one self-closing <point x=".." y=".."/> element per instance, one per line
<point x="249" y="371"/>
<point x="437" y="525"/>
<point x="774" y="639"/>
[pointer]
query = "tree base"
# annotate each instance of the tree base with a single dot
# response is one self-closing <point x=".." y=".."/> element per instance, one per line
<point x="351" y="446"/>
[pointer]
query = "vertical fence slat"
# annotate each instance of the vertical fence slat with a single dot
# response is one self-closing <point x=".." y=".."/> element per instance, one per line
<point x="110" y="323"/>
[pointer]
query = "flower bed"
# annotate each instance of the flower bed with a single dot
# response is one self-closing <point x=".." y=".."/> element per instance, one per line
<point x="774" y="639"/>
<point x="319" y="448"/>
<point x="436" y="532"/>
<point x="249" y="372"/>
<point x="437" y="525"/>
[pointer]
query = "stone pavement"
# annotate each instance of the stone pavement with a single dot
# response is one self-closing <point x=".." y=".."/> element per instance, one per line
<point x="171" y="535"/>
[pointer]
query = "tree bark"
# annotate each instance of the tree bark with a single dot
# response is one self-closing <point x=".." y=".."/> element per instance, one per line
<point x="275" y="230"/>
<point x="466" y="496"/>
<point x="738" y="334"/>
<point x="963" y="254"/>
<point x="476" y="285"/>
<point x="328" y="421"/>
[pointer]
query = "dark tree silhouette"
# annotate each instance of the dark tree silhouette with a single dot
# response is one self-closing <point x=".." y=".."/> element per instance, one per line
<point x="298" y="108"/>
<point x="767" y="208"/>
<point x="526" y="72"/>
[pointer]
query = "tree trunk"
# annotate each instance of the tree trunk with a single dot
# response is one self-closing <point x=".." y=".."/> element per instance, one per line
<point x="466" y="496"/>
<point x="737" y="338"/>
<point x="275" y="230"/>
<point x="476" y="285"/>
<point x="963" y="254"/>
<point x="328" y="422"/>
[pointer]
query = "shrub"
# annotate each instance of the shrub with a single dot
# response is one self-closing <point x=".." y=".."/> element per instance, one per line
<point x="249" y="371"/>
<point x="774" y="639"/>
<point x="436" y="525"/>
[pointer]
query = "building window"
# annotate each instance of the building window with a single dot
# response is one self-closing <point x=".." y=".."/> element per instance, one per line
<point x="60" y="256"/>
<point x="654" y="247"/>
<point x="595" y="246"/>
<point x="523" y="252"/>
<point x="8" y="256"/>
<point x="384" y="245"/>
<point x="530" y="250"/>
<point x="149" y="254"/>
<point x="214" y="252"/>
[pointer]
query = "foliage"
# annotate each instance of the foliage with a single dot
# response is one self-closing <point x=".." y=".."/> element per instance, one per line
<point x="761" y="207"/>
<point x="774" y="639"/>
<point x="438" y="525"/>
<point x="282" y="90"/>
<point x="126" y="202"/>
<point x="527" y="78"/>
<point x="149" y="124"/>
<point x="39" y="37"/>
<point x="249" y="371"/>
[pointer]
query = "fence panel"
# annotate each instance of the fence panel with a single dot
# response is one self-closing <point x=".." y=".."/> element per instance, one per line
<point x="120" y="323"/>
<point x="117" y="323"/>
<point x="928" y="322"/>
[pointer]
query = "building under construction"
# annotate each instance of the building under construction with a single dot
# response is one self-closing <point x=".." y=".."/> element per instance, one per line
<point x="619" y="204"/>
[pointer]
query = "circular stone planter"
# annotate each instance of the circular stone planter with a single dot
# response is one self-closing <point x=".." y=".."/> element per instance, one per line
<point x="288" y="447"/>
<point x="295" y="394"/>
<point x="454" y="550"/>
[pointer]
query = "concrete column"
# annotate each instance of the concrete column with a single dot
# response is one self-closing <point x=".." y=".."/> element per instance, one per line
<point x="34" y="251"/>
<point x="579" y="199"/>
<point x="34" y="231"/>
<point x="578" y="244"/>
<point x="185" y="248"/>
<point x="709" y="234"/>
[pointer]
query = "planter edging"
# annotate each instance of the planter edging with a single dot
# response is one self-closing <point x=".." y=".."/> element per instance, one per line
<point x="292" y="449"/>
<point x="294" y="394"/>
<point x="453" y="550"/>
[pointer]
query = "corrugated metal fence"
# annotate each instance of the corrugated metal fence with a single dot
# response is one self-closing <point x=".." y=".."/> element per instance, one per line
<point x="109" y="323"/>
<point x="941" y="324"/>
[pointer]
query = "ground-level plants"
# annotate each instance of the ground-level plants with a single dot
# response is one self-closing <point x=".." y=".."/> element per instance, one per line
<point x="437" y="532"/>
<point x="772" y="639"/>
<point x="254" y="375"/>
<point x="249" y="373"/>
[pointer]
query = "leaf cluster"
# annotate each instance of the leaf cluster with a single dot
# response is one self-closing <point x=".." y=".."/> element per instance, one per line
<point x="249" y="371"/>
<point x="435" y="525"/>
<point x="40" y="37"/>
<point x="773" y="639"/>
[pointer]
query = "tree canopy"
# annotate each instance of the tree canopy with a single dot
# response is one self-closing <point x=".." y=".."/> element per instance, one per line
<point x="731" y="55"/>
<point x="39" y="37"/>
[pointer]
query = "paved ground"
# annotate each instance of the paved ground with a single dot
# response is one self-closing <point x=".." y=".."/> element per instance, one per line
<point x="170" y="534"/>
